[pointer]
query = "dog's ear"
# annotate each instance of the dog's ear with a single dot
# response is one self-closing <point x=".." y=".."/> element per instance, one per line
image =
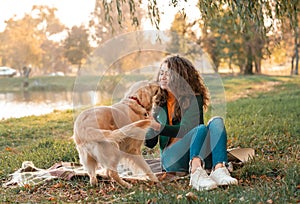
<point x="143" y="95"/>
<point x="154" y="86"/>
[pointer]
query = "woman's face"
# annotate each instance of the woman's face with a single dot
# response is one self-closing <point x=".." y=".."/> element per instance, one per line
<point x="164" y="76"/>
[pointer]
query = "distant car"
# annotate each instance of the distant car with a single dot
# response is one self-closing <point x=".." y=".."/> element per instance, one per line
<point x="7" y="72"/>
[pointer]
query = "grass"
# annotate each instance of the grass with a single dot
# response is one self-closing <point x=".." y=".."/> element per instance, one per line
<point x="264" y="116"/>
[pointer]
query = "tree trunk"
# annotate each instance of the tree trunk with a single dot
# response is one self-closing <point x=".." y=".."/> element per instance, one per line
<point x="230" y="65"/>
<point x="297" y="63"/>
<point x="296" y="54"/>
<point x="78" y="70"/>
<point x="292" y="64"/>
<point x="249" y="63"/>
<point x="248" y="68"/>
<point x="295" y="59"/>
<point x="258" y="66"/>
<point x="297" y="44"/>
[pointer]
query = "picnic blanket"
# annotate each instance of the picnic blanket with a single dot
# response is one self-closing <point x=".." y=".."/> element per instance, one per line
<point x="29" y="174"/>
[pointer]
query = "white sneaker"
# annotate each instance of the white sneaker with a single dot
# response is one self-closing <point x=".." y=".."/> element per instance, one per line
<point x="201" y="181"/>
<point x="222" y="177"/>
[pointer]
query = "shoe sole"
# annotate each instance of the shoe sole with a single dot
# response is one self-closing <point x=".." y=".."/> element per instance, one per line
<point x="205" y="188"/>
<point x="228" y="184"/>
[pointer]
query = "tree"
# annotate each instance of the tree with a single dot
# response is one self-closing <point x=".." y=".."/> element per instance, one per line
<point x="22" y="43"/>
<point x="53" y="58"/>
<point x="221" y="41"/>
<point x="77" y="46"/>
<point x="179" y="31"/>
<point x="111" y="18"/>
<point x="212" y="40"/>
<point x="244" y="12"/>
<point x="23" y="39"/>
<point x="294" y="18"/>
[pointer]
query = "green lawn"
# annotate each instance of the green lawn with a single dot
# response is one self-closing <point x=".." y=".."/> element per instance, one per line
<point x="262" y="112"/>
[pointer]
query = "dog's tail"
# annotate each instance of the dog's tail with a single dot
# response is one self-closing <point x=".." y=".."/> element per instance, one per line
<point x="136" y="130"/>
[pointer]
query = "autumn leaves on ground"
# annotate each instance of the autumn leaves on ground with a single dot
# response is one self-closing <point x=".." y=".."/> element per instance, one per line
<point x="262" y="113"/>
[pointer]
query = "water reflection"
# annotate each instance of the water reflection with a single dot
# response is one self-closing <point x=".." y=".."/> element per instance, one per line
<point x="26" y="103"/>
<point x="35" y="97"/>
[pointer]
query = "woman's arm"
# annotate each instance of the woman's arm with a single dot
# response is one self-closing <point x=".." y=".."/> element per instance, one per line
<point x="192" y="117"/>
<point x="151" y="138"/>
<point x="152" y="133"/>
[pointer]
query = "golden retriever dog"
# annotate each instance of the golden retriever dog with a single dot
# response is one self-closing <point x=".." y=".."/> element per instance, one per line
<point x="107" y="135"/>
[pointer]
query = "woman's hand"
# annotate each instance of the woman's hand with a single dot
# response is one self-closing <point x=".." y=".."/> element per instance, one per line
<point x="154" y="124"/>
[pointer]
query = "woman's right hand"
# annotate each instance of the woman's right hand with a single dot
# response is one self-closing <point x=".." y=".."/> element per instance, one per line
<point x="155" y="125"/>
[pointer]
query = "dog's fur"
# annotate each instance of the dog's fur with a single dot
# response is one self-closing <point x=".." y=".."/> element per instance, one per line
<point x="106" y="134"/>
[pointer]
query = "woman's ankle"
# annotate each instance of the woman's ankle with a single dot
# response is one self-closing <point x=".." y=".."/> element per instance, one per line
<point x="195" y="163"/>
<point x="219" y="165"/>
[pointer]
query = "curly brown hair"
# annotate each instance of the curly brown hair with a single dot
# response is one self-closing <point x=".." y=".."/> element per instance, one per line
<point x="184" y="81"/>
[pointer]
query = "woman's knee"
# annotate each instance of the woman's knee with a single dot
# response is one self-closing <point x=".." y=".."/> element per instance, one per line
<point x="200" y="131"/>
<point x="201" y="128"/>
<point x="196" y="131"/>
<point x="216" y="121"/>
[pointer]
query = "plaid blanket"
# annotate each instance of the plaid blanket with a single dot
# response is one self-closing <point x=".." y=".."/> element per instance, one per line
<point x="29" y="174"/>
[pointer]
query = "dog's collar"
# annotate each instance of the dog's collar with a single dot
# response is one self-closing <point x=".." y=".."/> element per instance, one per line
<point x="137" y="100"/>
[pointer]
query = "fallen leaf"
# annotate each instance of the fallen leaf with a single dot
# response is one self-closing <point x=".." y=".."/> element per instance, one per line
<point x="191" y="196"/>
<point x="179" y="197"/>
<point x="153" y="200"/>
<point x="162" y="177"/>
<point x="27" y="186"/>
<point x="58" y="185"/>
<point x="263" y="176"/>
<point x="9" y="149"/>
<point x="51" y="198"/>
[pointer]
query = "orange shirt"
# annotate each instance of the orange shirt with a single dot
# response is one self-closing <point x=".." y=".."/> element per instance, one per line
<point x="171" y="108"/>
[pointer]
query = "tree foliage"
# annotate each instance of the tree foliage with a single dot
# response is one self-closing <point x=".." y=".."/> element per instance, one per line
<point x="240" y="33"/>
<point x="259" y="17"/>
<point x="25" y="41"/>
<point x="21" y="42"/>
<point x="220" y="40"/>
<point x="77" y="46"/>
<point x="112" y="18"/>
<point x="226" y="43"/>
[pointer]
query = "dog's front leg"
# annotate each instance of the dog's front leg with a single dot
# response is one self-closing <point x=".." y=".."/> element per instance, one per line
<point x="140" y="162"/>
<point x="115" y="176"/>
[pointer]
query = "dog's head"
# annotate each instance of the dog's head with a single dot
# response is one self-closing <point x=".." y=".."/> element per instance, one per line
<point x="144" y="92"/>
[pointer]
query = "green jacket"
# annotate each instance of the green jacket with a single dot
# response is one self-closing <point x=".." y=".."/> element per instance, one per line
<point x="192" y="117"/>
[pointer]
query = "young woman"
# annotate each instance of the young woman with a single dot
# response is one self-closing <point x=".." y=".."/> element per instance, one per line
<point x="186" y="144"/>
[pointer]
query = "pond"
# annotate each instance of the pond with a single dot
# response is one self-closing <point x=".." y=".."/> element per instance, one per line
<point x="26" y="103"/>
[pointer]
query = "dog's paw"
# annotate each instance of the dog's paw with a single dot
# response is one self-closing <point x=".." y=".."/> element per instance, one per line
<point x="128" y="185"/>
<point x="93" y="181"/>
<point x="153" y="178"/>
<point x="125" y="184"/>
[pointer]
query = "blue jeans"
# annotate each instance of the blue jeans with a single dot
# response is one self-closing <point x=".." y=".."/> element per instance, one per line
<point x="209" y="143"/>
